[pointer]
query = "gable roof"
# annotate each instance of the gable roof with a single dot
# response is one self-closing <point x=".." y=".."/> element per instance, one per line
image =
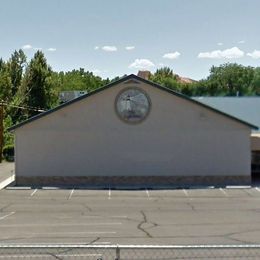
<point x="126" y="78"/>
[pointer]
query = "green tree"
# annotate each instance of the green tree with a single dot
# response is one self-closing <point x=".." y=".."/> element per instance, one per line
<point x="255" y="84"/>
<point x="165" y="77"/>
<point x="5" y="83"/>
<point x="15" y="69"/>
<point x="8" y="136"/>
<point x="230" y="79"/>
<point x="16" y="65"/>
<point x="36" y="85"/>
<point x="2" y="63"/>
<point x="80" y="80"/>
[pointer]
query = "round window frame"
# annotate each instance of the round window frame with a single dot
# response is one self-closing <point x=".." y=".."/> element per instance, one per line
<point x="125" y="120"/>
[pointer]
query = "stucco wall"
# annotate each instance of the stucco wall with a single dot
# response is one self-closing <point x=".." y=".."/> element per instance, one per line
<point x="178" y="138"/>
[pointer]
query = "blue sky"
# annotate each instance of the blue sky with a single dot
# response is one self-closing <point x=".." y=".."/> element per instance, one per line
<point x="119" y="37"/>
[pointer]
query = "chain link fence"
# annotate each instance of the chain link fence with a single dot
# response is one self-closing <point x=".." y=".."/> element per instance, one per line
<point x="127" y="252"/>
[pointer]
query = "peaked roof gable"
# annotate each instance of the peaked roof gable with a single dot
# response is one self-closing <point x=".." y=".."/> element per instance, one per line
<point x="130" y="78"/>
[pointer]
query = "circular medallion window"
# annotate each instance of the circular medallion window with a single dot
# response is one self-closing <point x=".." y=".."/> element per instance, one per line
<point x="132" y="105"/>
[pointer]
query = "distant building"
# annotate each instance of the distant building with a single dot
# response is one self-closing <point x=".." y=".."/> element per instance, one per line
<point x="185" y="80"/>
<point x="145" y="74"/>
<point x="66" y="96"/>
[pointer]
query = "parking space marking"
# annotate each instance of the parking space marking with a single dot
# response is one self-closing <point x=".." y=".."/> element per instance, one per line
<point x="116" y="216"/>
<point x="224" y="192"/>
<point x="50" y="188"/>
<point x="238" y="187"/>
<point x="74" y="232"/>
<point x="109" y="194"/>
<point x="47" y="255"/>
<point x="93" y="217"/>
<point x="33" y="192"/>
<point x="70" y="194"/>
<point x="6" y="216"/>
<point x="147" y="193"/>
<point x="248" y="192"/>
<point x="60" y="224"/>
<point x="186" y="193"/>
<point x="258" y="189"/>
<point x="18" y="188"/>
<point x="103" y="243"/>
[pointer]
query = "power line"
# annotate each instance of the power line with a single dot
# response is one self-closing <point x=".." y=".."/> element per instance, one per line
<point x="4" y="103"/>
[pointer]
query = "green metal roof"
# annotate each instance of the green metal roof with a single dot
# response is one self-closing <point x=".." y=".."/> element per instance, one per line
<point x="126" y="78"/>
<point x="246" y="108"/>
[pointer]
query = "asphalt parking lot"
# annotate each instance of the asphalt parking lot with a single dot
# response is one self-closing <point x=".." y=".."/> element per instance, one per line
<point x="182" y="216"/>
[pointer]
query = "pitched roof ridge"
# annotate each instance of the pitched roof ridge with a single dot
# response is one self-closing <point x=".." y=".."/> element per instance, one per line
<point x="122" y="79"/>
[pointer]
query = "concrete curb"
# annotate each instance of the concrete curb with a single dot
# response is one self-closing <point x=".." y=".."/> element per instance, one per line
<point x="7" y="181"/>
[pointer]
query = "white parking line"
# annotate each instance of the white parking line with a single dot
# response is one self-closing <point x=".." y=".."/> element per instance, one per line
<point x="60" y="224"/>
<point x="7" y="181"/>
<point x="147" y="193"/>
<point x="225" y="193"/>
<point x="185" y="192"/>
<point x="258" y="189"/>
<point x="70" y="194"/>
<point x="115" y="216"/>
<point x="92" y="217"/>
<point x="68" y="232"/>
<point x="104" y="243"/>
<point x="238" y="187"/>
<point x="50" y="188"/>
<point x="109" y="194"/>
<point x="33" y="192"/>
<point x="48" y="256"/>
<point x="248" y="192"/>
<point x="18" y="188"/>
<point x="8" y="215"/>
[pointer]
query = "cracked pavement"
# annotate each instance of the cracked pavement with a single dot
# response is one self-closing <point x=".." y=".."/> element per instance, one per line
<point x="193" y="216"/>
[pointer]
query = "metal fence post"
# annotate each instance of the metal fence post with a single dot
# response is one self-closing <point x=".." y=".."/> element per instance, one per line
<point x="117" y="253"/>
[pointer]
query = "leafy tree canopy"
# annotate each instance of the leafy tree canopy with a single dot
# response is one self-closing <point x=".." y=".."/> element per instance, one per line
<point x="35" y="84"/>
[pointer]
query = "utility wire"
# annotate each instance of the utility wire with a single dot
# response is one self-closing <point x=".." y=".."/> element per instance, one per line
<point x="22" y="107"/>
<point x="2" y="104"/>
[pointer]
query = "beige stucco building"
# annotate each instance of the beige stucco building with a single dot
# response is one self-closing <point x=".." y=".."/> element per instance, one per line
<point x="91" y="140"/>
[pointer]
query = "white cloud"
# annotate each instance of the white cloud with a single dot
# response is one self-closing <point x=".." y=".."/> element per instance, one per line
<point x="96" y="48"/>
<point x="141" y="64"/>
<point x="210" y="55"/>
<point x="241" y="42"/>
<point x="161" y="64"/>
<point x="232" y="53"/>
<point x="30" y="47"/>
<point x="109" y="48"/>
<point x="130" y="48"/>
<point x="220" y="43"/>
<point x="172" y="55"/>
<point x="27" y="47"/>
<point x="51" y="49"/>
<point x="255" y="54"/>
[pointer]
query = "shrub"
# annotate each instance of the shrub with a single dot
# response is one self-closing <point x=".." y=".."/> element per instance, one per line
<point x="8" y="153"/>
